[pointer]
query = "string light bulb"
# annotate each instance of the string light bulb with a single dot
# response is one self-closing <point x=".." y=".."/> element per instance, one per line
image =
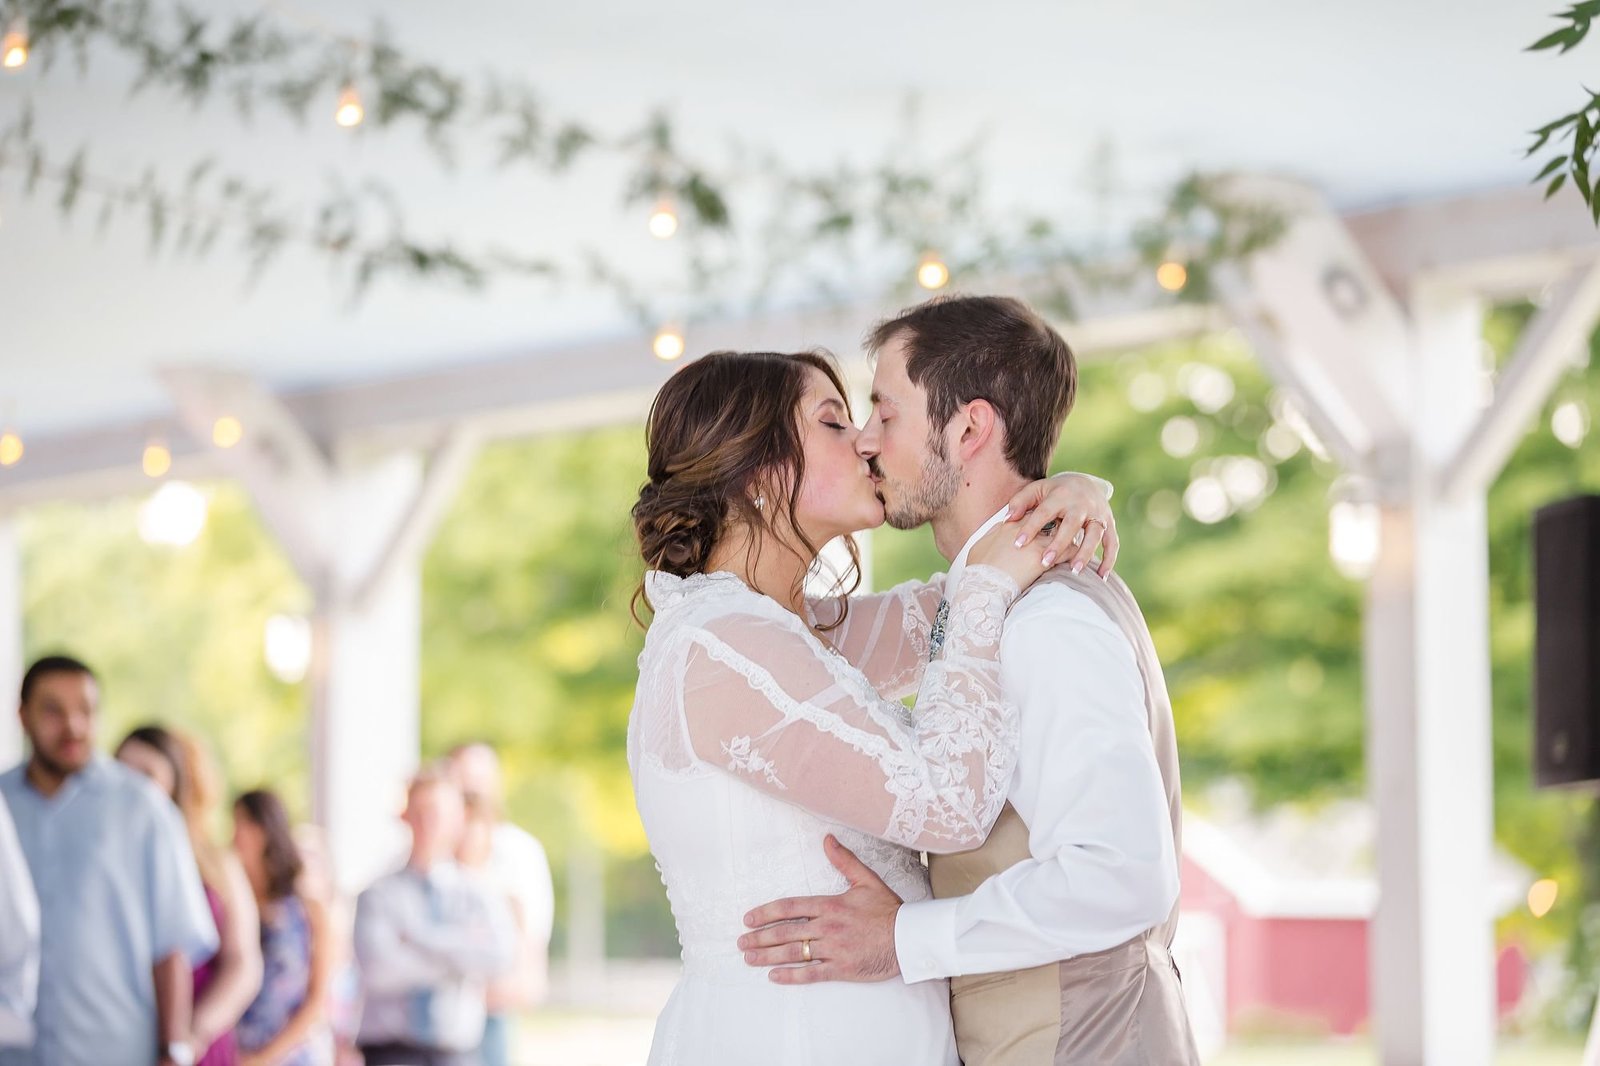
<point x="664" y="219"/>
<point x="10" y="448"/>
<point x="157" y="459"/>
<point x="14" y="47"/>
<point x="932" y="273"/>
<point x="349" y="112"/>
<point x="1542" y="896"/>
<point x="668" y="344"/>
<point x="1172" y="275"/>
<point x="227" y="431"/>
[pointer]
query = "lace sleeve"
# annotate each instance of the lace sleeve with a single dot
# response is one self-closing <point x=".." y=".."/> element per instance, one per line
<point x="885" y="634"/>
<point x="763" y="702"/>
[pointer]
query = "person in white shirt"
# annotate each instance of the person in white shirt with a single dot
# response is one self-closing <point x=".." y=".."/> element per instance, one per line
<point x="1072" y="900"/>
<point x="428" y="938"/>
<point x="514" y="865"/>
<point x="19" y="939"/>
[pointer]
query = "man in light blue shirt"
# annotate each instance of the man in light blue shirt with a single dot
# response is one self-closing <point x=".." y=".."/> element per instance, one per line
<point x="19" y="939"/>
<point x="123" y="915"/>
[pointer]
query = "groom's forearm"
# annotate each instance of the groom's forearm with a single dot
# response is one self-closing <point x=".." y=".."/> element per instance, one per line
<point x="1027" y="916"/>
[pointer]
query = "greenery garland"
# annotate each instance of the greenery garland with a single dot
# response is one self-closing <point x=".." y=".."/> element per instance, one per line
<point x="809" y="226"/>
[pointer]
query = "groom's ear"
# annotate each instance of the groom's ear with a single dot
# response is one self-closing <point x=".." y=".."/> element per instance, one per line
<point x="980" y="424"/>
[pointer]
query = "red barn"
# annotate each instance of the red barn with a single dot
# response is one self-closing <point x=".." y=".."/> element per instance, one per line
<point x="1275" y="910"/>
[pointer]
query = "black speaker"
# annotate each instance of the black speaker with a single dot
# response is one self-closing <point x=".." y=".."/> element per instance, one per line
<point x="1566" y="591"/>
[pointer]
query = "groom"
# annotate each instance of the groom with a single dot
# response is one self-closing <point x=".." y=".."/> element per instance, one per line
<point x="1070" y="906"/>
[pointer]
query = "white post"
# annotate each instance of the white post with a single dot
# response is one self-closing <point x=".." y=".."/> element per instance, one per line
<point x="365" y="694"/>
<point x="1428" y="706"/>
<point x="355" y="528"/>
<point x="11" y="664"/>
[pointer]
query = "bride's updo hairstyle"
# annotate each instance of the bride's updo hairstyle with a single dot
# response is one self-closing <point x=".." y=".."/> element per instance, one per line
<point x="723" y="430"/>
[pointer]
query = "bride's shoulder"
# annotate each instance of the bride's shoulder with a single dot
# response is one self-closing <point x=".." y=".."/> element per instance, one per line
<point x="707" y="600"/>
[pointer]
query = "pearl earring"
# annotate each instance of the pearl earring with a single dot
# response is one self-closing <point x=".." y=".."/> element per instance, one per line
<point x="761" y="501"/>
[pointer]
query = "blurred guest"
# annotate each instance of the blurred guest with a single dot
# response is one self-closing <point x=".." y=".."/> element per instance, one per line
<point x="225" y="984"/>
<point x="514" y="864"/>
<point x="19" y="939"/>
<point x="121" y="909"/>
<point x="286" y="1023"/>
<point x="428" y="937"/>
<point x="343" y="1001"/>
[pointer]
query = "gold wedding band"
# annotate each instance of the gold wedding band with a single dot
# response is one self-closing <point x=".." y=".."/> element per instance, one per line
<point x="805" y="950"/>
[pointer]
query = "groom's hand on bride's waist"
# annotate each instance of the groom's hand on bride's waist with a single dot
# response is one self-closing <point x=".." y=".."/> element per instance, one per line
<point x="848" y="937"/>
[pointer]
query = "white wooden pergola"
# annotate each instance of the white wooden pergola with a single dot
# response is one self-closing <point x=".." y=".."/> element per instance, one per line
<point x="1371" y="321"/>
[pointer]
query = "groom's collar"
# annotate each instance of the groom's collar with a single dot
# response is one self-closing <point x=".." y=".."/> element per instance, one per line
<point x="958" y="565"/>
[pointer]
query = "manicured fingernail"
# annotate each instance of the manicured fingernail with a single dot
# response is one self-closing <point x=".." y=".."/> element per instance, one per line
<point x="1077" y="567"/>
<point x="1020" y="541"/>
<point x="1049" y="557"/>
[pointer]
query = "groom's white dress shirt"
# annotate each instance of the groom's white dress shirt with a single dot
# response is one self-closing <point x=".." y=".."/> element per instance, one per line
<point x="1103" y="867"/>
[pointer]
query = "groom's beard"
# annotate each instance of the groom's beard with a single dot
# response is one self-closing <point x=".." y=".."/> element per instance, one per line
<point x="909" y="505"/>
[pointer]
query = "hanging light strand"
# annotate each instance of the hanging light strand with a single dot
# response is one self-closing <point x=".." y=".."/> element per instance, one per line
<point x="664" y="219"/>
<point x="14" y="46"/>
<point x="668" y="344"/>
<point x="932" y="272"/>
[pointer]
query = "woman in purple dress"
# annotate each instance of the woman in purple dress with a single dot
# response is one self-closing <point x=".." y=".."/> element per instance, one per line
<point x="286" y="1025"/>
<point x="226" y="983"/>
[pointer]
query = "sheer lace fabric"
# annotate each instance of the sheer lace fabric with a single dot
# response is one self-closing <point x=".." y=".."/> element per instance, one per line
<point x="752" y="737"/>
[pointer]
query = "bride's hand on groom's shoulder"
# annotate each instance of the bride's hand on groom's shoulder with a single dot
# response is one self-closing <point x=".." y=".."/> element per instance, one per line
<point x="848" y="937"/>
<point x="1025" y="563"/>
<point x="1070" y="505"/>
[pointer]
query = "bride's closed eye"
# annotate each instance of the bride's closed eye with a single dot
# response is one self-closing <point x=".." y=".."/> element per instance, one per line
<point x="834" y="425"/>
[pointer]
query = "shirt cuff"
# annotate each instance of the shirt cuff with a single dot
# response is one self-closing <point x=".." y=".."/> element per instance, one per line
<point x="925" y="939"/>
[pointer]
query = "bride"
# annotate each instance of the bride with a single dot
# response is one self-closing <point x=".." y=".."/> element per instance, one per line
<point x="764" y="721"/>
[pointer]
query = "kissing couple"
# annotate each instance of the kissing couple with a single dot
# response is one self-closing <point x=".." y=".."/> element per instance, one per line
<point x="788" y="791"/>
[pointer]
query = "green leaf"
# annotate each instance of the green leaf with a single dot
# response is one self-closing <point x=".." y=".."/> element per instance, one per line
<point x="1555" y="185"/>
<point x="1551" y="167"/>
<point x="707" y="202"/>
<point x="1564" y="37"/>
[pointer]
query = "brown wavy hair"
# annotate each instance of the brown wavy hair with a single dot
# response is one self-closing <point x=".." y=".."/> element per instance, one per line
<point x="722" y="429"/>
<point x="280" y="856"/>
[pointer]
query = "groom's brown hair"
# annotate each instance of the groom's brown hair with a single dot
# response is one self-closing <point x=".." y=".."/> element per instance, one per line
<point x="994" y="348"/>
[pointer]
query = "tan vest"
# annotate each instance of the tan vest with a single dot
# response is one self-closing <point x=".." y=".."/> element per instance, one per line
<point x="1120" y="1007"/>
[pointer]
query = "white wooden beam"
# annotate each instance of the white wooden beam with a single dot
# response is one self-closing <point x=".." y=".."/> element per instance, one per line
<point x="1341" y="336"/>
<point x="1332" y="422"/>
<point x="1501" y="243"/>
<point x="447" y="466"/>
<point x="1544" y="353"/>
<point x="549" y="391"/>
<point x="278" y="461"/>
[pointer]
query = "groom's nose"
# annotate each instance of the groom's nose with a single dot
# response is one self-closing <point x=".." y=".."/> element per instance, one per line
<point x="867" y="441"/>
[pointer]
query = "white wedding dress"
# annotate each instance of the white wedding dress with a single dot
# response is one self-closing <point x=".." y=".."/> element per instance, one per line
<point x="751" y="738"/>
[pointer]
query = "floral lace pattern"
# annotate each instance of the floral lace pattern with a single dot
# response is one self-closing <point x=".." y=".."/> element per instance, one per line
<point x="757" y="694"/>
<point x="752" y="737"/>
